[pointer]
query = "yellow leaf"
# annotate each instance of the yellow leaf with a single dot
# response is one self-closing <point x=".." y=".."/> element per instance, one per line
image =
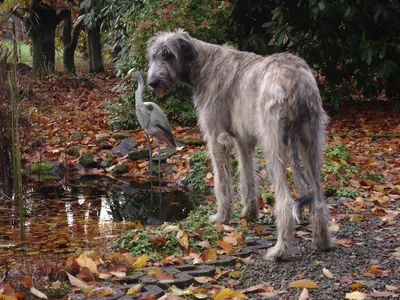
<point x="304" y="283"/>
<point x="179" y="292"/>
<point x="85" y="261"/>
<point x="135" y="289"/>
<point x="327" y="273"/>
<point x="141" y="262"/>
<point x="210" y="255"/>
<point x="5" y="297"/>
<point x="355" y="296"/>
<point x="223" y="294"/>
<point x="209" y="175"/>
<point x="243" y="223"/>
<point x="183" y="239"/>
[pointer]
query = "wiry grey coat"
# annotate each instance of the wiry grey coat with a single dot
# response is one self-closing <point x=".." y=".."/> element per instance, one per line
<point x="242" y="99"/>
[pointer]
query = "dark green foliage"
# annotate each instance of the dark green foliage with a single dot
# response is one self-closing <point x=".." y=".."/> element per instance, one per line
<point x="346" y="40"/>
<point x="136" y="23"/>
<point x="199" y="164"/>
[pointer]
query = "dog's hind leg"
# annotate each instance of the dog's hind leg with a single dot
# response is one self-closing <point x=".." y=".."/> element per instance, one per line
<point x="272" y="125"/>
<point x="220" y="149"/>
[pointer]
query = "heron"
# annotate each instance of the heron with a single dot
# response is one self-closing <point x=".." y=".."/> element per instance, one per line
<point x="153" y="120"/>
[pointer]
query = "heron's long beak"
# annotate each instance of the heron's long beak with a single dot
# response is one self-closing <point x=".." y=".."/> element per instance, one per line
<point x="126" y="78"/>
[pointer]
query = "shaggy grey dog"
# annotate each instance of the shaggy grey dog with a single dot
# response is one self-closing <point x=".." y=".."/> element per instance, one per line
<point x="242" y="99"/>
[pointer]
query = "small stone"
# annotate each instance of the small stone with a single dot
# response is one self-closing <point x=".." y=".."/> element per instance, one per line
<point x="120" y="169"/>
<point x="125" y="146"/>
<point x="77" y="135"/>
<point x="100" y="137"/>
<point x="40" y="141"/>
<point x="120" y="135"/>
<point x="73" y="150"/>
<point x="165" y="153"/>
<point x="87" y="160"/>
<point x="137" y="154"/>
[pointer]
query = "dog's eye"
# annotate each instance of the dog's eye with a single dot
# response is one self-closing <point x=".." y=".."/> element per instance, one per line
<point x="168" y="55"/>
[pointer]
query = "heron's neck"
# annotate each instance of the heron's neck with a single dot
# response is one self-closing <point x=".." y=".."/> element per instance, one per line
<point x="139" y="93"/>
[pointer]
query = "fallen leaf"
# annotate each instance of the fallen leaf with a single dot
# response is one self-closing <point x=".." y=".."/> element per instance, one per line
<point x="38" y="293"/>
<point x="355" y="296"/>
<point x="179" y="292"/>
<point x="85" y="261"/>
<point x="204" y="244"/>
<point x="263" y="287"/>
<point x="135" y="289"/>
<point x="170" y="228"/>
<point x="304" y="283"/>
<point x="391" y="287"/>
<point x="304" y="295"/>
<point x="224" y="245"/>
<point x="183" y="239"/>
<point x="129" y="257"/>
<point x="226" y="293"/>
<point x="85" y="275"/>
<point x="170" y="297"/>
<point x="26" y="282"/>
<point x="210" y="255"/>
<point x="141" y="262"/>
<point x="101" y="292"/>
<point x="77" y="282"/>
<point x="203" y="279"/>
<point x="378" y="294"/>
<point x="327" y="273"/>
<point x="232" y="282"/>
<point x="355" y="285"/>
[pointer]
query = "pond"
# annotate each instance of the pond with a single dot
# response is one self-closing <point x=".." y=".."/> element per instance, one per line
<point x="61" y="218"/>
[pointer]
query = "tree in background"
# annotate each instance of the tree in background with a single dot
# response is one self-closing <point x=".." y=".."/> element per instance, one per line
<point x="357" y="40"/>
<point x="92" y="18"/>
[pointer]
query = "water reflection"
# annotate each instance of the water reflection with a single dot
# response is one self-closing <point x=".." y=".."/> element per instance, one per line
<point x="60" y="219"/>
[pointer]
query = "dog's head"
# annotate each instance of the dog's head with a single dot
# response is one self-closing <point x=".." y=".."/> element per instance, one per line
<point x="170" y="55"/>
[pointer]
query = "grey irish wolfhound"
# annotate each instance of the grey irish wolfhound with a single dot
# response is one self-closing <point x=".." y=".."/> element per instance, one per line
<point x="242" y="99"/>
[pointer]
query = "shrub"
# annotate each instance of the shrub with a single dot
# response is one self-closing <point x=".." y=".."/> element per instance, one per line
<point x="203" y="19"/>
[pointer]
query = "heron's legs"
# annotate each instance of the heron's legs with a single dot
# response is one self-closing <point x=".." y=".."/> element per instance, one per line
<point x="150" y="168"/>
<point x="159" y="169"/>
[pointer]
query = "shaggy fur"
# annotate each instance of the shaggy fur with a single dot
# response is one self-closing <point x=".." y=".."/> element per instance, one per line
<point x="242" y="99"/>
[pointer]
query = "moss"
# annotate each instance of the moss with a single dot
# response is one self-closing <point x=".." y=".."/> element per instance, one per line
<point x="120" y="135"/>
<point x="120" y="169"/>
<point x="40" y="167"/>
<point x="73" y="150"/>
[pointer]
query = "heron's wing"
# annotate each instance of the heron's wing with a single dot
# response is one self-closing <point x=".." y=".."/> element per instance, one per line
<point x="160" y="121"/>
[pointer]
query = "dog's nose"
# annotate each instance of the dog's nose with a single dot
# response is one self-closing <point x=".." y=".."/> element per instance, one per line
<point x="154" y="83"/>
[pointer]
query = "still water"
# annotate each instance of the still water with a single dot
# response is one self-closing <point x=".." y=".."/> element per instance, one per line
<point x="61" y="218"/>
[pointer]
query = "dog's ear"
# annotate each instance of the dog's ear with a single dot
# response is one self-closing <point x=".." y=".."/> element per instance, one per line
<point x="187" y="50"/>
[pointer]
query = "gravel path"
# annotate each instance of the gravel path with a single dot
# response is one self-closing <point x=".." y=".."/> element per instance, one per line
<point x="369" y="259"/>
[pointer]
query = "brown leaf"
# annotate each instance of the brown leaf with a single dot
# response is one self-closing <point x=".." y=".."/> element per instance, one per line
<point x="210" y="255"/>
<point x="26" y="282"/>
<point x="85" y="275"/>
<point x="101" y="292"/>
<point x="85" y="261"/>
<point x="204" y="244"/>
<point x="224" y="245"/>
<point x="258" y="288"/>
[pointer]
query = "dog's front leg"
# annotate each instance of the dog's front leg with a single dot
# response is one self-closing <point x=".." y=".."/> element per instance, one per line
<point x="220" y="148"/>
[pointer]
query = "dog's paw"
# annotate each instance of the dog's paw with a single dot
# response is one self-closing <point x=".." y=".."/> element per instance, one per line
<point x="250" y="213"/>
<point x="278" y="253"/>
<point x="219" y="218"/>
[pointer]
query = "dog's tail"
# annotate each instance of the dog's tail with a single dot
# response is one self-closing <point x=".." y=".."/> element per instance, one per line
<point x="308" y="177"/>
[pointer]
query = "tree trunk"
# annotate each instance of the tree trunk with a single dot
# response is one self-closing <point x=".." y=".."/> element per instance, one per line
<point x="41" y="26"/>
<point x="70" y="44"/>
<point x="94" y="45"/>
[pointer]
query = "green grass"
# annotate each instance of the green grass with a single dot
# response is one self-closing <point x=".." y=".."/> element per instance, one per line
<point x="24" y="51"/>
